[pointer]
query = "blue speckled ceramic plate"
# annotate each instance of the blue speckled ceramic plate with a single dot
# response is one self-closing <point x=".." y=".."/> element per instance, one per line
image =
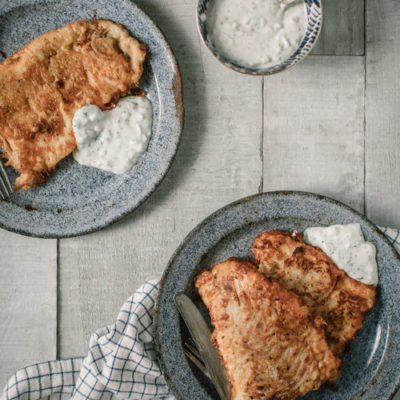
<point x="78" y="199"/>
<point x="371" y="367"/>
<point x="314" y="24"/>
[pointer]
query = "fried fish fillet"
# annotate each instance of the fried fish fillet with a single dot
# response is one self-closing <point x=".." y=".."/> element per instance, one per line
<point x="47" y="81"/>
<point x="270" y="346"/>
<point x="327" y="290"/>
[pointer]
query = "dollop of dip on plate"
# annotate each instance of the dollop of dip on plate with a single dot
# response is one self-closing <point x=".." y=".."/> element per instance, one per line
<point x="256" y="33"/>
<point x="346" y="246"/>
<point x="113" y="140"/>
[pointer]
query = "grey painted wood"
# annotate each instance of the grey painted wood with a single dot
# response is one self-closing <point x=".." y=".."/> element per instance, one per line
<point x="343" y="28"/>
<point x="28" y="298"/>
<point x="382" y="156"/>
<point x="218" y="162"/>
<point x="314" y="129"/>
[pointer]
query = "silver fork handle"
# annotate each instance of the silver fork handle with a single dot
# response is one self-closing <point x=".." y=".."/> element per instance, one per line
<point x="5" y="185"/>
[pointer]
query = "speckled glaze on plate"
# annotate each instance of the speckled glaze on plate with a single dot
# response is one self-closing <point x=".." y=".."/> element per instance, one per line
<point x="314" y="24"/>
<point x="77" y="199"/>
<point x="371" y="368"/>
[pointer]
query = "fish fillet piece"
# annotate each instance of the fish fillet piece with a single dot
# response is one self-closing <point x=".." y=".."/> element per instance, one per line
<point x="270" y="346"/>
<point x="47" y="81"/>
<point x="327" y="290"/>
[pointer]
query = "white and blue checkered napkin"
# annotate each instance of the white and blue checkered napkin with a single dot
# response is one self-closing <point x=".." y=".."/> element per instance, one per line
<point x="121" y="362"/>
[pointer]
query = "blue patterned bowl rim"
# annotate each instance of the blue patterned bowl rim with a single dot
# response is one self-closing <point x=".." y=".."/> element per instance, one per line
<point x="315" y="17"/>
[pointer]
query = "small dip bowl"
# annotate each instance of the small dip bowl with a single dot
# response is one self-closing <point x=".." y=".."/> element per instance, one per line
<point x="314" y="23"/>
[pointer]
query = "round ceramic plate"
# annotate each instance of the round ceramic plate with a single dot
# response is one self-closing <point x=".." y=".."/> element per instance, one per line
<point x="77" y="199"/>
<point x="371" y="368"/>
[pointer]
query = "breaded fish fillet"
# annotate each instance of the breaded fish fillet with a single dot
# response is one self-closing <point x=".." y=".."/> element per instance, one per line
<point x="270" y="346"/>
<point x="46" y="82"/>
<point x="327" y="290"/>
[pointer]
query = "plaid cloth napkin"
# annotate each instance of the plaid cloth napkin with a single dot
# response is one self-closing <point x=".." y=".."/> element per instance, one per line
<point x="121" y="362"/>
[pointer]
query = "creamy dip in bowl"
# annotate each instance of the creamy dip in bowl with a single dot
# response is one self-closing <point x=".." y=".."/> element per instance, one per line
<point x="259" y="37"/>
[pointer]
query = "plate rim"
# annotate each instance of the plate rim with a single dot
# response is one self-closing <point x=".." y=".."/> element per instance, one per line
<point x="179" y="118"/>
<point x="218" y="212"/>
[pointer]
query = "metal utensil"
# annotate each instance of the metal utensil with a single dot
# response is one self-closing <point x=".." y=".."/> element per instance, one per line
<point x="194" y="356"/>
<point x="5" y="185"/>
<point x="202" y="338"/>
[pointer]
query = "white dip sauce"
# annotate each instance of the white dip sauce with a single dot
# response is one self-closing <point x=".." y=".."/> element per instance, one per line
<point x="256" y="33"/>
<point x="346" y="246"/>
<point x="113" y="140"/>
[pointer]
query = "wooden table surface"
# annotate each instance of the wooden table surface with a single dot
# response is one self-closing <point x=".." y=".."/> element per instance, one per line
<point x="330" y="125"/>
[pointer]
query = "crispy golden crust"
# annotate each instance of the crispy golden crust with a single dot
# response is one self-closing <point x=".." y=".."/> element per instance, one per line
<point x="270" y="346"/>
<point x="327" y="290"/>
<point x="43" y="84"/>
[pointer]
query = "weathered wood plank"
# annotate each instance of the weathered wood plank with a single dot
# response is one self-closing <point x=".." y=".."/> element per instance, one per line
<point x="28" y="298"/>
<point x="314" y="129"/>
<point x="343" y="28"/>
<point x="382" y="142"/>
<point x="218" y="162"/>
